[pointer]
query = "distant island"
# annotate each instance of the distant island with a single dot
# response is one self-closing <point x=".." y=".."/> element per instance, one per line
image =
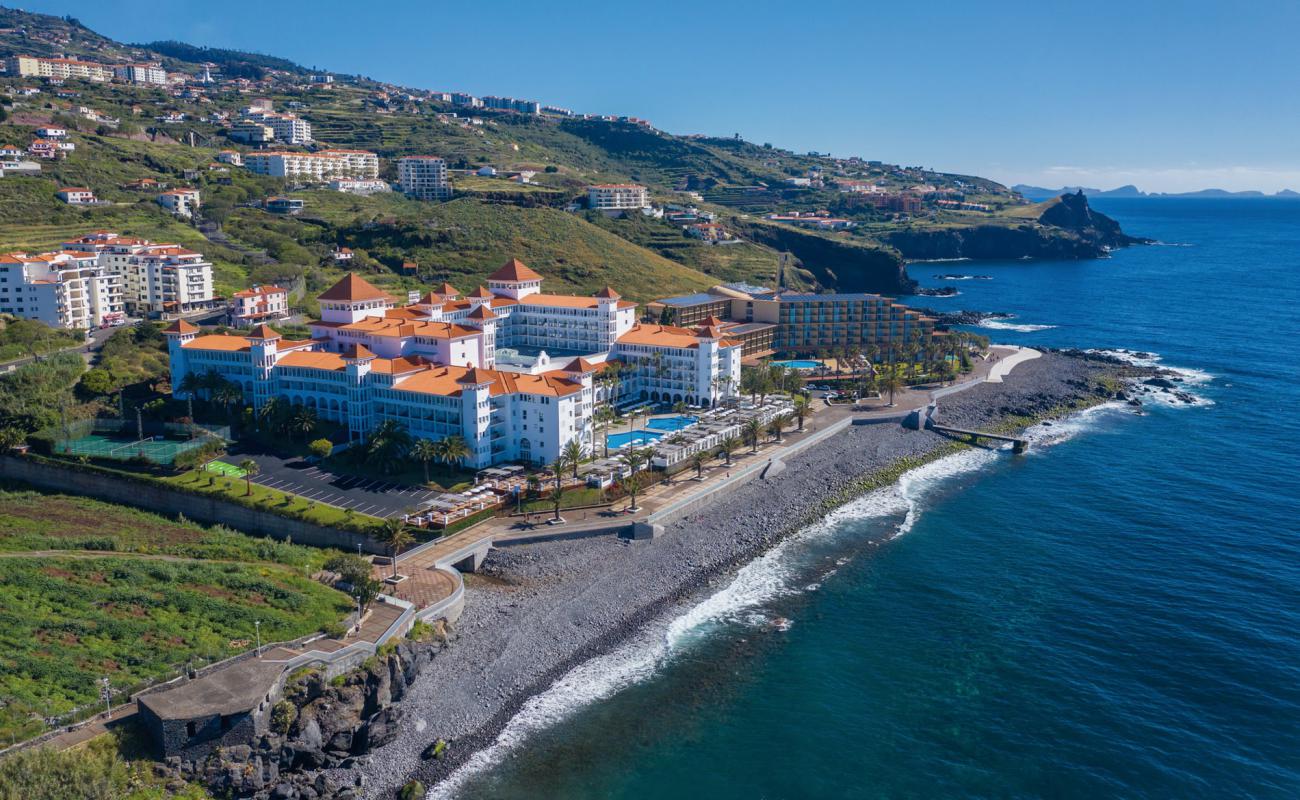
<point x="1037" y="193"/>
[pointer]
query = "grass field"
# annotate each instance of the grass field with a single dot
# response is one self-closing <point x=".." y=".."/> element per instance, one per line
<point x="170" y="593"/>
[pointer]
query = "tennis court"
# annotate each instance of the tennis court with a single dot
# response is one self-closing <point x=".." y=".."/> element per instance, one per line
<point x="159" y="450"/>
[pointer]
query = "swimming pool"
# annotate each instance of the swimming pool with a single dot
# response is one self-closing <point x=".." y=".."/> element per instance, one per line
<point x="675" y="423"/>
<point x="617" y="440"/>
<point x="799" y="363"/>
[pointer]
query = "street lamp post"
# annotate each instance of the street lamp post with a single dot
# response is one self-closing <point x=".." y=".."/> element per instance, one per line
<point x="106" y="691"/>
<point x="257" y="626"/>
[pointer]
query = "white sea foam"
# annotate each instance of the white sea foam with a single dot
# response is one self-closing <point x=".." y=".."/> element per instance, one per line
<point x="1003" y="325"/>
<point x="1187" y="377"/>
<point x="767" y="577"/>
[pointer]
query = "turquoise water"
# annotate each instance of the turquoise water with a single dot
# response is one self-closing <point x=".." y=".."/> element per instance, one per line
<point x="675" y="423"/>
<point x="1115" y="614"/>
<point x="797" y="364"/>
<point x="633" y="437"/>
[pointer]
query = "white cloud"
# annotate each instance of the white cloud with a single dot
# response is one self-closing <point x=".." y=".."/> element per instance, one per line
<point x="1163" y="179"/>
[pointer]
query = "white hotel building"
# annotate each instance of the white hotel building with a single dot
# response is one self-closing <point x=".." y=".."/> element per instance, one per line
<point x="508" y="368"/>
<point x="320" y="167"/>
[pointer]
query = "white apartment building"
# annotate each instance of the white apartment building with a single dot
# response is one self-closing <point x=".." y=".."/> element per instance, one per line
<point x="363" y="186"/>
<point x="258" y="304"/>
<point x="156" y="278"/>
<point x="320" y="166"/>
<point x="287" y="128"/>
<point x="181" y="202"/>
<point x="231" y="157"/>
<point x="150" y="74"/>
<point x="617" y="196"/>
<point x="424" y="178"/>
<point x="63" y="290"/>
<point x="58" y="68"/>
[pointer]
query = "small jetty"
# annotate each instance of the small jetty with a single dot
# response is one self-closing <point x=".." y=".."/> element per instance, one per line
<point x="1018" y="444"/>
<point x="923" y="419"/>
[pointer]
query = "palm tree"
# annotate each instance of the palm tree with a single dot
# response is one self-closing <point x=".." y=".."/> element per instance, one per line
<point x="393" y="532"/>
<point x="303" y="421"/>
<point x="389" y="442"/>
<point x="777" y="425"/>
<point x="534" y="485"/>
<point x="679" y="407"/>
<point x="698" y="461"/>
<point x="424" y="451"/>
<point x="634" y="459"/>
<point x="753" y="430"/>
<point x="891" y="383"/>
<point x="802" y="408"/>
<point x="271" y="412"/>
<point x="632" y="485"/>
<point x="728" y="446"/>
<point x="573" y="455"/>
<point x="604" y="417"/>
<point x="455" y="450"/>
<point x="557" y="496"/>
<point x="228" y="395"/>
<point x="250" y="468"/>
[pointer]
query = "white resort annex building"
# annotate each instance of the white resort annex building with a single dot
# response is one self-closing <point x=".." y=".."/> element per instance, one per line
<point x="507" y="367"/>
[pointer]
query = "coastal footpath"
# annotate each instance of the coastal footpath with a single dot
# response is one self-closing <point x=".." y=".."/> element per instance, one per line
<point x="539" y="610"/>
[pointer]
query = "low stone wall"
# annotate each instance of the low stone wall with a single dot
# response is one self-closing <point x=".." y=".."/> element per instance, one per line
<point x="201" y="508"/>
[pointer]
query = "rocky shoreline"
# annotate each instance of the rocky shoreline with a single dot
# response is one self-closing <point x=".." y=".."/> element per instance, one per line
<point x="537" y="611"/>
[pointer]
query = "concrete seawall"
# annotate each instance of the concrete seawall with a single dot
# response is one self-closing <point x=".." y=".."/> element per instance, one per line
<point x="160" y="499"/>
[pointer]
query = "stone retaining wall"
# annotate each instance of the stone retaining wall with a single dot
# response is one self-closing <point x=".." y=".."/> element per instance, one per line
<point x="163" y="500"/>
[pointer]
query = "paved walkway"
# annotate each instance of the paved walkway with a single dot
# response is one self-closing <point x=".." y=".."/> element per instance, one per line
<point x="668" y="495"/>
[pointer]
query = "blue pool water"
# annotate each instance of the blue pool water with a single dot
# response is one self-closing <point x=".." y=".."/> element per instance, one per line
<point x="617" y="440"/>
<point x="671" y="423"/>
<point x="798" y="363"/>
<point x="1113" y="615"/>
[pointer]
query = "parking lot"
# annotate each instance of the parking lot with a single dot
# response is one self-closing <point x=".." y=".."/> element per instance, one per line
<point x="373" y="496"/>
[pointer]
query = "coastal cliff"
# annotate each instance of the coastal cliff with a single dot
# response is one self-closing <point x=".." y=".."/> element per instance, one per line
<point x="844" y="266"/>
<point x="1067" y="228"/>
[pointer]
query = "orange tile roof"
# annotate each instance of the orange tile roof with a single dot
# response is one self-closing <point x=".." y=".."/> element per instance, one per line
<point x="312" y="359"/>
<point x="480" y="292"/>
<point x="608" y="293"/>
<point x="560" y="301"/>
<point x="181" y="326"/>
<point x="661" y="336"/>
<point x="580" y="365"/>
<point x="258" y="291"/>
<point x="447" y="290"/>
<point x="399" y="366"/>
<point x="482" y="312"/>
<point x="218" y="341"/>
<point x="358" y="352"/>
<point x="397" y="328"/>
<point x="449" y="382"/>
<point x="514" y="270"/>
<point x="353" y="287"/>
<point x="264" y="331"/>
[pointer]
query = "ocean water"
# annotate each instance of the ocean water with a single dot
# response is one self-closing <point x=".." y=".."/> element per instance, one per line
<point x="1114" y="614"/>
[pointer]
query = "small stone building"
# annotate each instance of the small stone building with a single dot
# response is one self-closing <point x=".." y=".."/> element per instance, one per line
<point x="227" y="707"/>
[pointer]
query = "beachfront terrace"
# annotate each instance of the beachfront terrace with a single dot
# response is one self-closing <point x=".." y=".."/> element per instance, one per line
<point x="712" y="428"/>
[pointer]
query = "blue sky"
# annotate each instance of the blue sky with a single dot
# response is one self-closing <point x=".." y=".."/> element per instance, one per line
<point x="1167" y="95"/>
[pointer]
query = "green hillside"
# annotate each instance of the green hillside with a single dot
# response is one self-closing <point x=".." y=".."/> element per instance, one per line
<point x="742" y="182"/>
